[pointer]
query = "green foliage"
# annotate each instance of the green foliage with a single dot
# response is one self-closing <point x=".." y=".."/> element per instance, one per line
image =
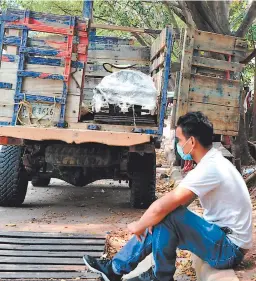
<point x="152" y="15"/>
<point x="144" y="14"/>
<point x="64" y="7"/>
<point x="4" y="4"/>
<point x="248" y="74"/>
<point x="236" y="13"/>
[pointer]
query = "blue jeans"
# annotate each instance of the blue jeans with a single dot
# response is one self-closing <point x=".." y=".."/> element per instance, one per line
<point x="184" y="230"/>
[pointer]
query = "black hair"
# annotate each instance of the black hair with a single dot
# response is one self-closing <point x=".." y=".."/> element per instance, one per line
<point x="197" y="125"/>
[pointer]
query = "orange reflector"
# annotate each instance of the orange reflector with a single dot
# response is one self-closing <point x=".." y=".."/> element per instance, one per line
<point x="3" y="140"/>
<point x="10" y="141"/>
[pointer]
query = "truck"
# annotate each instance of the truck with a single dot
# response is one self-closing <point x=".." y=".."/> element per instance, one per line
<point x="51" y="66"/>
<point x="50" y="75"/>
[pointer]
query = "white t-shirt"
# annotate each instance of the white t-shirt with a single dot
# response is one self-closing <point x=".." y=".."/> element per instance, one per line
<point x="223" y="195"/>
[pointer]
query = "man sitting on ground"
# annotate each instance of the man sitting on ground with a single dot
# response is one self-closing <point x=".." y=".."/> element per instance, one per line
<point x="220" y="238"/>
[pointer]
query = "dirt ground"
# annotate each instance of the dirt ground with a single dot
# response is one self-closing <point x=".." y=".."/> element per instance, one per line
<point x="247" y="270"/>
<point x="100" y="208"/>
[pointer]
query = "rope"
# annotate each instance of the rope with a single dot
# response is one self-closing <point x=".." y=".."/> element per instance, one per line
<point x="29" y="108"/>
<point x="133" y="111"/>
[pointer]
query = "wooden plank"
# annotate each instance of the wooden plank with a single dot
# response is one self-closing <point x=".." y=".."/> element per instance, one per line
<point x="41" y="260"/>
<point x="223" y="118"/>
<point x="56" y="42"/>
<point x="124" y="28"/>
<point x="6" y="103"/>
<point x="52" y="86"/>
<point x="122" y="61"/>
<point x="97" y="69"/>
<point x="76" y="136"/>
<point x="107" y="127"/>
<point x="110" y="40"/>
<point x="43" y="61"/>
<point x="6" y="119"/>
<point x="49" y="19"/>
<point x="72" y="111"/>
<point x="81" y="248"/>
<point x="49" y="241"/>
<point x="52" y="235"/>
<point x="91" y="82"/>
<point x="88" y="95"/>
<point x="215" y="73"/>
<point x="186" y="63"/>
<point x="158" y="45"/>
<point x="158" y="62"/>
<point x="218" y="43"/>
<point x="57" y="254"/>
<point x="225" y="132"/>
<point x="41" y="267"/>
<point x="49" y="275"/>
<point x="125" y="52"/>
<point x="8" y="73"/>
<point x="158" y="79"/>
<point x="12" y="49"/>
<point x="217" y="64"/>
<point x="216" y="91"/>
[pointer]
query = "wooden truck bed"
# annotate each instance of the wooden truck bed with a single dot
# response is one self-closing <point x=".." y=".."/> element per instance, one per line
<point x="210" y="79"/>
<point x="51" y="64"/>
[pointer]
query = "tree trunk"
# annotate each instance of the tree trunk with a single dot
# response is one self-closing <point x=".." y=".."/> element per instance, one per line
<point x="246" y="158"/>
<point x="254" y="106"/>
<point x="240" y="148"/>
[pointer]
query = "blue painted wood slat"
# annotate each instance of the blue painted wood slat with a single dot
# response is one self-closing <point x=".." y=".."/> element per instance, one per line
<point x="166" y="75"/>
<point x="40" y="75"/>
<point x="43" y="61"/>
<point x="4" y="85"/>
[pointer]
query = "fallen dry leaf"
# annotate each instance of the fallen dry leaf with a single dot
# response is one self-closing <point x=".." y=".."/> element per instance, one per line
<point x="11" y="225"/>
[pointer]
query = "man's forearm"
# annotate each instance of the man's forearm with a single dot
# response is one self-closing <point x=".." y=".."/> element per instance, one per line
<point x="165" y="205"/>
<point x="151" y="217"/>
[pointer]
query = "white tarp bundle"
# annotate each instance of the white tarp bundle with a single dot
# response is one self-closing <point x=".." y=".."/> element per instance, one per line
<point x="125" y="88"/>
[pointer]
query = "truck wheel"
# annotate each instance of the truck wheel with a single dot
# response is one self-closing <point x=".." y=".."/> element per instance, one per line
<point x="13" y="176"/>
<point x="40" y="182"/>
<point x="143" y="180"/>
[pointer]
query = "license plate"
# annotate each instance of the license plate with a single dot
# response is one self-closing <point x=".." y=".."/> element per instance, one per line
<point x="40" y="111"/>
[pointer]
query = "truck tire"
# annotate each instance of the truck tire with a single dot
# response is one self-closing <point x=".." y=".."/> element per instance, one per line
<point x="13" y="176"/>
<point x="143" y="180"/>
<point x="40" y="182"/>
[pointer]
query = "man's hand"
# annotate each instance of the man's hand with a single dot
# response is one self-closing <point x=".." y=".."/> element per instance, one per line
<point x="136" y="229"/>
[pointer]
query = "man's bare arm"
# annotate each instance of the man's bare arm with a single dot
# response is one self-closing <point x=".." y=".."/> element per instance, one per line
<point x="192" y="200"/>
<point x="163" y="206"/>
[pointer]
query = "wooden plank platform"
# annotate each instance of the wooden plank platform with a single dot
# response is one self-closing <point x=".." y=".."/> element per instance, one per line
<point x="48" y="256"/>
<point x="209" y="81"/>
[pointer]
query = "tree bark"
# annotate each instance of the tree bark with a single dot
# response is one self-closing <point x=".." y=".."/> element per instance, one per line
<point x="221" y="12"/>
<point x="240" y="148"/>
<point x="254" y="106"/>
<point x="247" y="21"/>
<point x="246" y="158"/>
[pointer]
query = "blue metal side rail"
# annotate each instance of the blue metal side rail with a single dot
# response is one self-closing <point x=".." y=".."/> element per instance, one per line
<point x="75" y="32"/>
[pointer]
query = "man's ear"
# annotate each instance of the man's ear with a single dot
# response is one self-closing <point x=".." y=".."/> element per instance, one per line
<point x="193" y="141"/>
